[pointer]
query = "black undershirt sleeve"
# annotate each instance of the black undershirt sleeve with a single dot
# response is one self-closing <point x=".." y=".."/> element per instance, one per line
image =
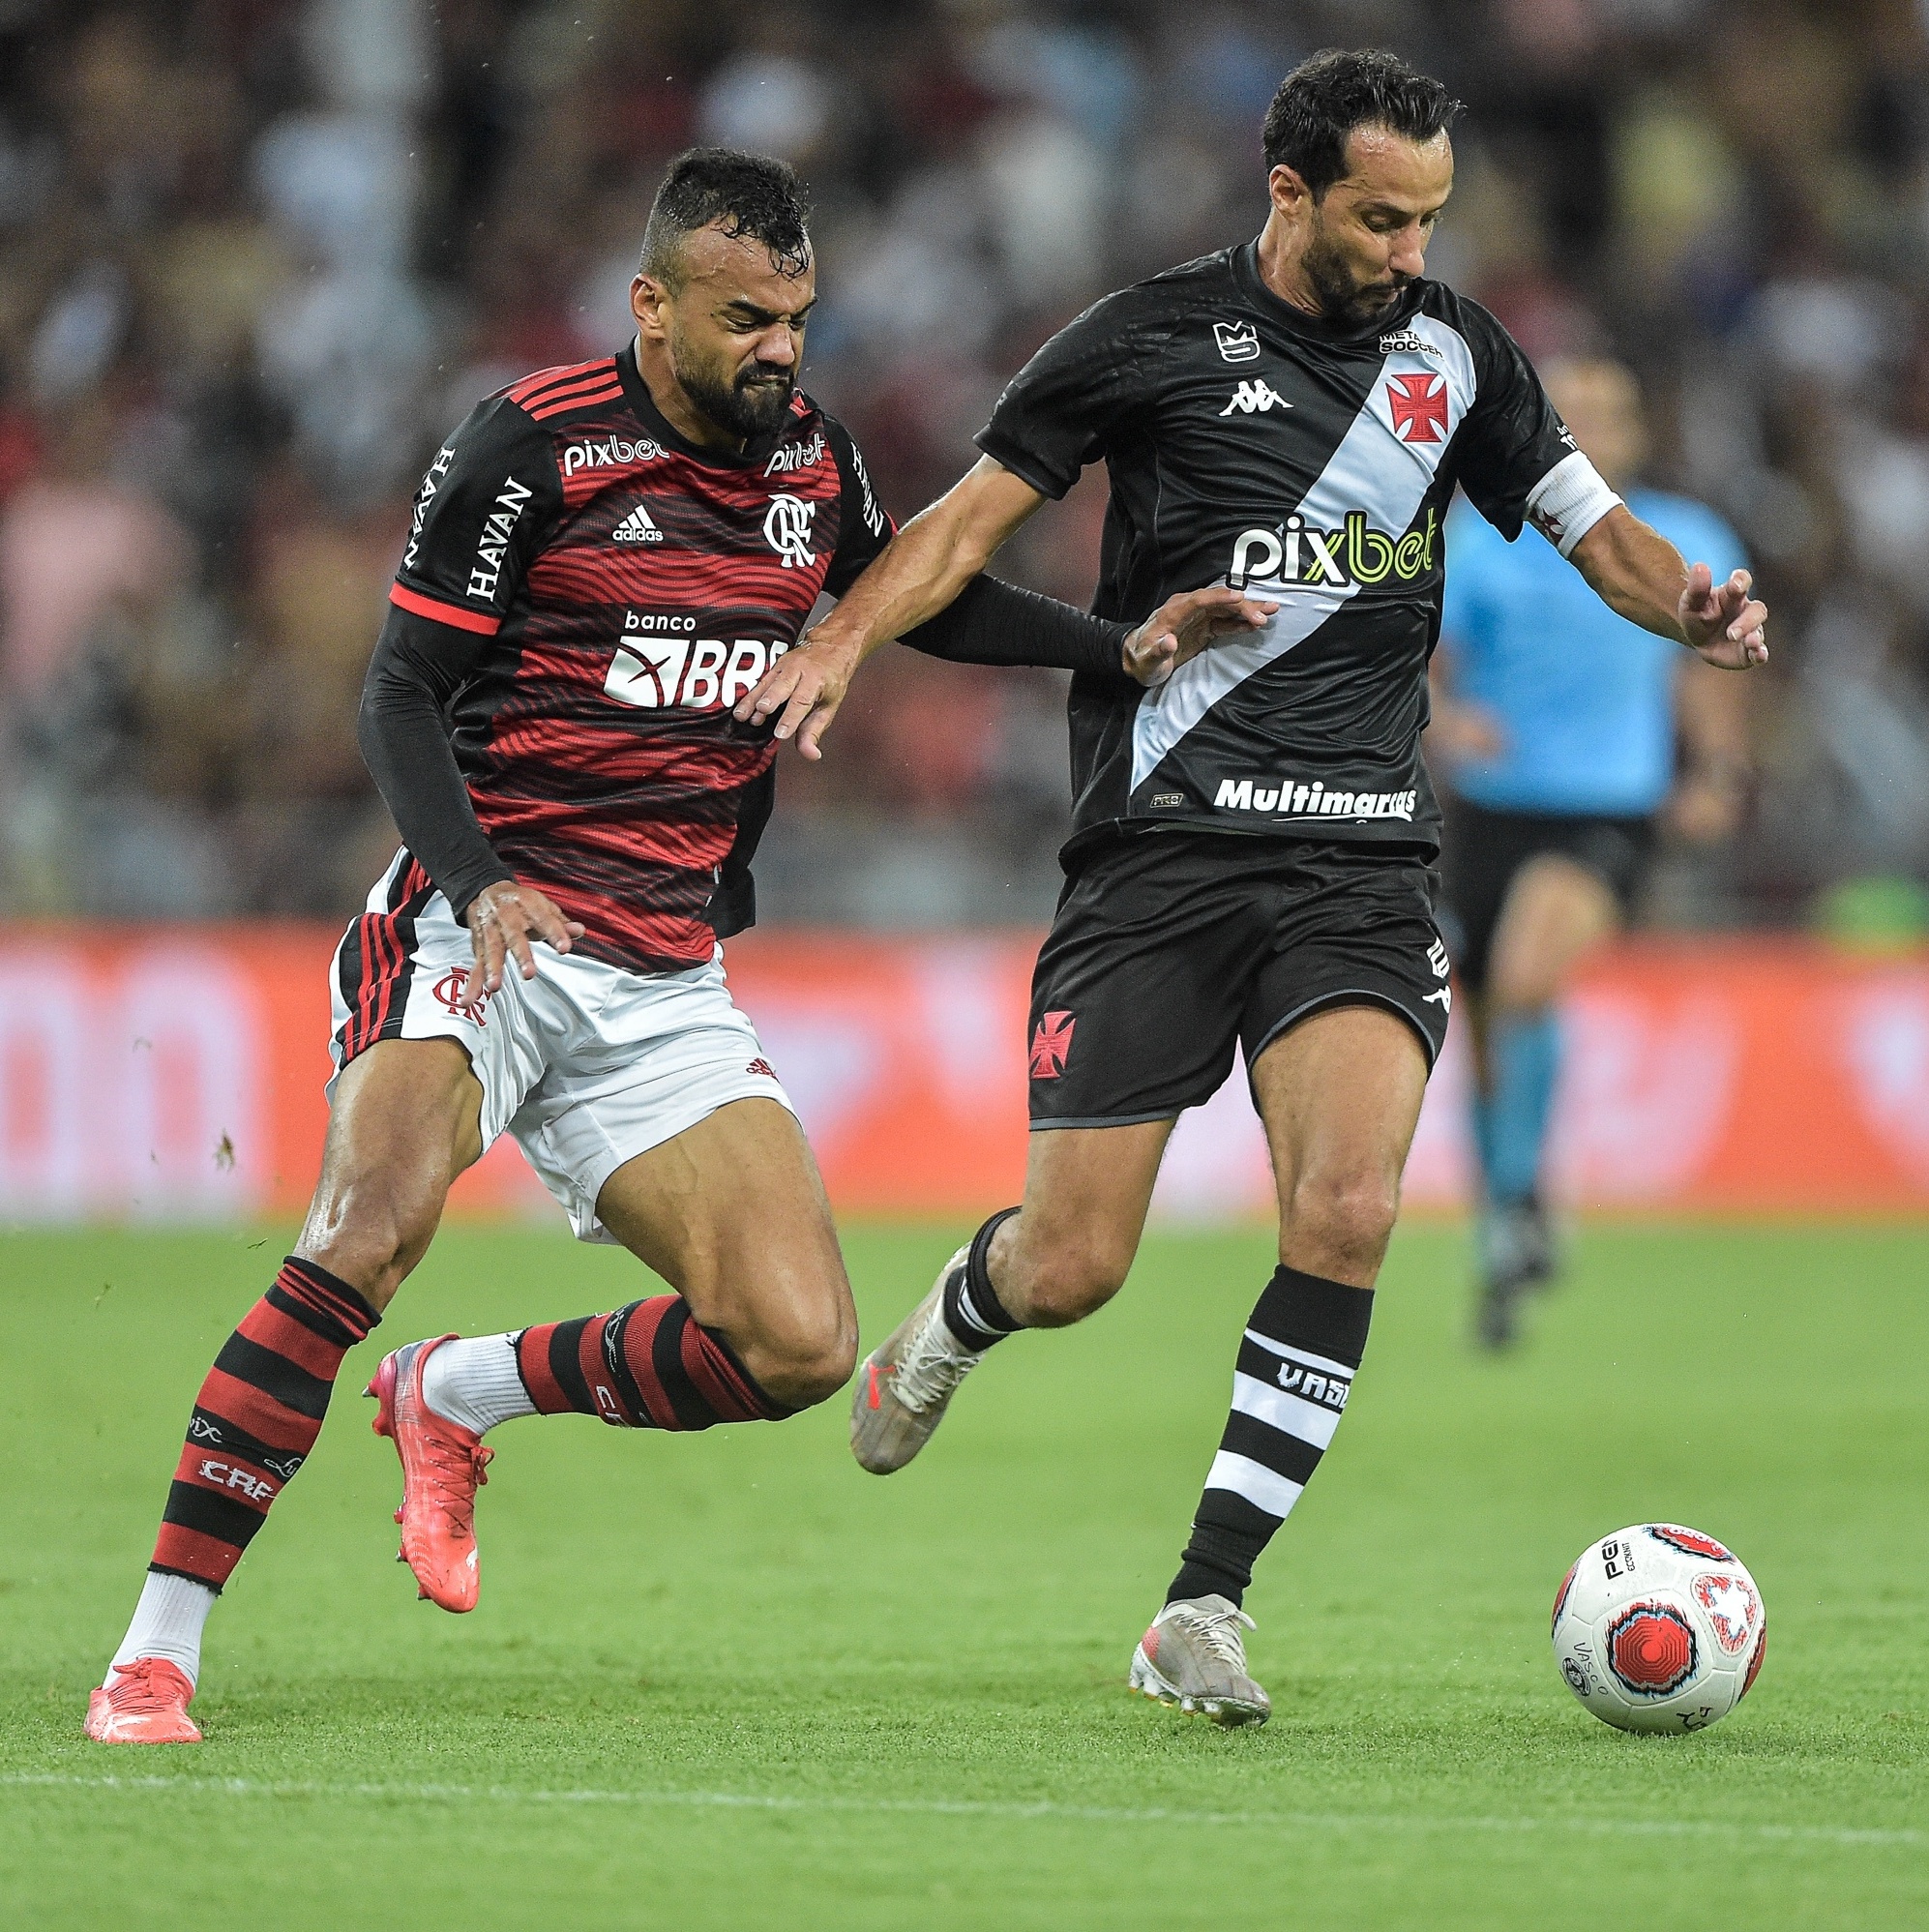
<point x="992" y="622"/>
<point x="404" y="731"/>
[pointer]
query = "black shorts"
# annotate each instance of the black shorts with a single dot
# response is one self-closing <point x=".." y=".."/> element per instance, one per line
<point x="1482" y="851"/>
<point x="1169" y="947"/>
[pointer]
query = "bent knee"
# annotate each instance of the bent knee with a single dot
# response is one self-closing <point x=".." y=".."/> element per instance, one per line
<point x="805" y="1362"/>
<point x="368" y="1240"/>
<point x="1339" y="1224"/>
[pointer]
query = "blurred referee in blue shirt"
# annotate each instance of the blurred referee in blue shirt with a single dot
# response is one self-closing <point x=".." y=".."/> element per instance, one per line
<point x="1555" y="725"/>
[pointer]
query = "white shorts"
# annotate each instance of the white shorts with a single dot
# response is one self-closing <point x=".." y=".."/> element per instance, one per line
<point x="587" y="1064"/>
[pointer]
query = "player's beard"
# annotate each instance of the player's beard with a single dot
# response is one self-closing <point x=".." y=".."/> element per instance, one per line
<point x="749" y="406"/>
<point x="1343" y="297"/>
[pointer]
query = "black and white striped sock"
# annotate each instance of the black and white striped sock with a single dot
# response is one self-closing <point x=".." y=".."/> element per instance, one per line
<point x="1294" y="1373"/>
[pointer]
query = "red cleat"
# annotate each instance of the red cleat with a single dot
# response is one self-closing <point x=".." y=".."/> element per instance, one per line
<point x="442" y="1467"/>
<point x="147" y="1704"/>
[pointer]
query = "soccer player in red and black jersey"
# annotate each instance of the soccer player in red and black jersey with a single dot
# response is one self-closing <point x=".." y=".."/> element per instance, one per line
<point x="604" y="562"/>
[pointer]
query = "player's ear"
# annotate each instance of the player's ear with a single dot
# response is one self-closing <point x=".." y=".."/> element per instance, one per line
<point x="1288" y="191"/>
<point x="647" y="300"/>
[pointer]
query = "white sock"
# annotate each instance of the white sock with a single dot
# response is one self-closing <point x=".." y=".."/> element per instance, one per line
<point x="166" y="1623"/>
<point x="476" y="1382"/>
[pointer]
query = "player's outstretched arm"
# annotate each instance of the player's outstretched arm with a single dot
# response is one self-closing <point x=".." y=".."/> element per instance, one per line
<point x="1640" y="575"/>
<point x="916" y="576"/>
<point x="997" y="623"/>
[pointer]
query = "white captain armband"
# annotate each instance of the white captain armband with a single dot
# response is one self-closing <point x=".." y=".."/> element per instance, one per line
<point x="1568" y="501"/>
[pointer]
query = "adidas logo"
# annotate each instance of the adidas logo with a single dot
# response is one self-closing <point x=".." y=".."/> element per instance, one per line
<point x="637" y="528"/>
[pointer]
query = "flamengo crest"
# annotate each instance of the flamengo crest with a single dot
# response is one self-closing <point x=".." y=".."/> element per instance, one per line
<point x="787" y="530"/>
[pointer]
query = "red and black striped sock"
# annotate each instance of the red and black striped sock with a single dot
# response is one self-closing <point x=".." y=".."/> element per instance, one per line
<point x="647" y="1366"/>
<point x="256" y="1418"/>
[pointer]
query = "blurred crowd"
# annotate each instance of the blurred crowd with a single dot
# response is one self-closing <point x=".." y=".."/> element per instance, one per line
<point x="257" y="255"/>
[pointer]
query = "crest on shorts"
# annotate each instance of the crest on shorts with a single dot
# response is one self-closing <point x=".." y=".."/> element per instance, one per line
<point x="449" y="991"/>
<point x="1052" y="1045"/>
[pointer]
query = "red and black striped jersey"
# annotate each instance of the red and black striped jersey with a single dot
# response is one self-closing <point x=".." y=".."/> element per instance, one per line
<point x="625" y="588"/>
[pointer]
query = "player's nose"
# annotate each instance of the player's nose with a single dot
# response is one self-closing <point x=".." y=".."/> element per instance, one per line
<point x="1410" y="252"/>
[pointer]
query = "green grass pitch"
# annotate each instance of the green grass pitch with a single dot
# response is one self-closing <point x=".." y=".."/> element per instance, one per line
<point x="728" y="1680"/>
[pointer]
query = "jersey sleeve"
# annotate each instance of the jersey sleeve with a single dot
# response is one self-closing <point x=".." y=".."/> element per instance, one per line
<point x="1063" y="409"/>
<point x="863" y="526"/>
<point x="1512" y="438"/>
<point x="483" y="508"/>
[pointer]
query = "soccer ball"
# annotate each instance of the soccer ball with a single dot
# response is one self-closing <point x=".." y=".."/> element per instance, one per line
<point x="1659" y="1628"/>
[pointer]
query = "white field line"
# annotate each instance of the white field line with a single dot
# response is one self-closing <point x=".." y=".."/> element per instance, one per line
<point x="961" y="1807"/>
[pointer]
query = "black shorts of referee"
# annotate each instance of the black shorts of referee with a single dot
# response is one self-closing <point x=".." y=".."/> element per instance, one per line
<point x="1171" y="946"/>
<point x="1482" y="850"/>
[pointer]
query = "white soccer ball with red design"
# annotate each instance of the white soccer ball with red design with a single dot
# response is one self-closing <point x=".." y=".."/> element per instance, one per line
<point x="1659" y="1628"/>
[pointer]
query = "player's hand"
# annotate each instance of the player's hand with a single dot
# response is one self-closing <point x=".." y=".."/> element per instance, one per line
<point x="503" y="919"/>
<point x="1722" y="621"/>
<point x="1183" y="626"/>
<point x="803" y="688"/>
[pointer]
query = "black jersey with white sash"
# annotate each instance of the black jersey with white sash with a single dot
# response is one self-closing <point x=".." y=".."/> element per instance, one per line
<point x="1250" y="443"/>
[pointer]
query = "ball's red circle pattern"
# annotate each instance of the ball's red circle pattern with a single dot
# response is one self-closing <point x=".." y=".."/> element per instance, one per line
<point x="1652" y="1648"/>
<point x="1755" y="1662"/>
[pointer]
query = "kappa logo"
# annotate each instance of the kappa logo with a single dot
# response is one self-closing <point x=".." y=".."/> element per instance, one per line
<point x="637" y="528"/>
<point x="1255" y="399"/>
<point x="1052" y="1045"/>
<point x="1419" y="405"/>
<point x="1437" y="958"/>
<point x="787" y="530"/>
<point x="1238" y="341"/>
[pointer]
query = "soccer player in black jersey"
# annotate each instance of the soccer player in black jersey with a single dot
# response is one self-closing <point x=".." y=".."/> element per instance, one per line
<point x="1252" y="845"/>
<point x="604" y="558"/>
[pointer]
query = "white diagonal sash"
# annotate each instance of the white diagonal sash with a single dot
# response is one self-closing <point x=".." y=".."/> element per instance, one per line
<point x="1374" y="471"/>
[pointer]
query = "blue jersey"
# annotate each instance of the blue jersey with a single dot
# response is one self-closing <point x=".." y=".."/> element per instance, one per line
<point x="1583" y="698"/>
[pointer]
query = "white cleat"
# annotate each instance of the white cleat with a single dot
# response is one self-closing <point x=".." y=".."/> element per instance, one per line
<point x="1195" y="1657"/>
<point x="904" y="1386"/>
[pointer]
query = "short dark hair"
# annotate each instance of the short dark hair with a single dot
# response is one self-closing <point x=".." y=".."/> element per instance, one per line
<point x="1331" y="93"/>
<point x="752" y="195"/>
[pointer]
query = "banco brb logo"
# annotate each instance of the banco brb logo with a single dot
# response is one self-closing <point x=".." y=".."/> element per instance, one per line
<point x="787" y="530"/>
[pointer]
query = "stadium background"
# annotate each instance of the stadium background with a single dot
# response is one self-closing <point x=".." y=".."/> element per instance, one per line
<point x="256" y="256"/>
